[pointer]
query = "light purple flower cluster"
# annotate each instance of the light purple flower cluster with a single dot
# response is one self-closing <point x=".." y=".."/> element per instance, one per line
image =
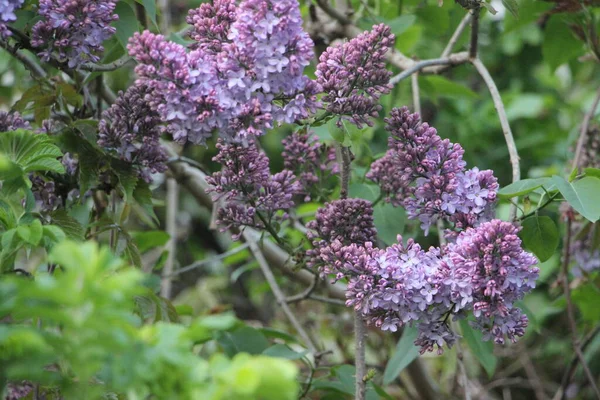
<point x="74" y="30"/>
<point x="485" y="272"/>
<point x="7" y="14"/>
<point x="16" y="391"/>
<point x="249" y="195"/>
<point x="244" y="73"/>
<point x="426" y="175"/>
<point x="131" y="130"/>
<point x="353" y="76"/>
<point x="12" y="121"/>
<point x="309" y="159"/>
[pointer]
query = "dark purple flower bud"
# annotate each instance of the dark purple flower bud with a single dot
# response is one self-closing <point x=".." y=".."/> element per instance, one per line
<point x="12" y="122"/>
<point x="131" y="130"/>
<point x="211" y="24"/>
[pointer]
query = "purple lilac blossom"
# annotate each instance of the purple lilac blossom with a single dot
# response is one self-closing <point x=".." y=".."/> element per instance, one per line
<point x="73" y="30"/>
<point x="12" y="121"/>
<point x="248" y="193"/>
<point x="426" y="175"/>
<point x="337" y="224"/>
<point x="131" y="130"/>
<point x="7" y="14"/>
<point x="239" y="80"/>
<point x="16" y="391"/>
<point x="309" y="159"/>
<point x="44" y="193"/>
<point x="353" y="76"/>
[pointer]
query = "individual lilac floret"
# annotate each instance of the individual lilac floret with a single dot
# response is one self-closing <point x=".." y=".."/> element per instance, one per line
<point x="240" y="86"/>
<point x="353" y="76"/>
<point x="309" y="159"/>
<point x="210" y="24"/>
<point x="74" y="30"/>
<point x="131" y="130"/>
<point x="585" y="250"/>
<point x="71" y="163"/>
<point x="12" y="121"/>
<point x="7" y="14"/>
<point x="247" y="192"/>
<point x="500" y="273"/>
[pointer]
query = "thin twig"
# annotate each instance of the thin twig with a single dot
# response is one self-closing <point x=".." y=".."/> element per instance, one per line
<point x="571" y="311"/>
<point x="171" y="228"/>
<point x="360" y="334"/>
<point x="416" y="93"/>
<point x="36" y="70"/>
<point x="279" y="295"/>
<point x="456" y="35"/>
<point x="585" y="125"/>
<point x="121" y="62"/>
<point x="474" y="33"/>
<point x="305" y="294"/>
<point x="533" y="376"/>
<point x="210" y="260"/>
<point x="508" y="136"/>
<point x="422" y="64"/>
<point x="345" y="172"/>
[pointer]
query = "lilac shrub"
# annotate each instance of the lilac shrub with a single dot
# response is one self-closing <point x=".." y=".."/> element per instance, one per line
<point x="73" y="30"/>
<point x="353" y="76"/>
<point x="7" y="15"/>
<point x="239" y="80"/>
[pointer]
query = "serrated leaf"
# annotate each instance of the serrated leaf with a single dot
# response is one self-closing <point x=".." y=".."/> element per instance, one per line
<point x="522" y="187"/>
<point x="582" y="195"/>
<point x="54" y="233"/>
<point x="540" y="235"/>
<point x="405" y="353"/>
<point x="512" y="6"/>
<point x="46" y="164"/>
<point x="7" y="216"/>
<point x="69" y="225"/>
<point x="482" y="350"/>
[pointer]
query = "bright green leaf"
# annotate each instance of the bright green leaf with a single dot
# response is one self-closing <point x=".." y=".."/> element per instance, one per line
<point x="483" y="351"/>
<point x="582" y="195"/>
<point x="540" y="235"/>
<point x="405" y="353"/>
<point x="522" y="187"/>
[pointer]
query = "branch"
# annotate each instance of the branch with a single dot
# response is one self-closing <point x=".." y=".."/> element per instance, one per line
<point x="585" y="125"/>
<point x="416" y="94"/>
<point x="474" y="33"/>
<point x="452" y="60"/>
<point x="508" y="136"/>
<point x="279" y="296"/>
<point x="571" y="311"/>
<point x="36" y="70"/>
<point x="171" y="228"/>
<point x="91" y="67"/>
<point x="456" y="35"/>
<point x="360" y="334"/>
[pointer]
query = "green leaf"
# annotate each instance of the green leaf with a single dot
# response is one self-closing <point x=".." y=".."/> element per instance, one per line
<point x="244" y="340"/>
<point x="150" y="240"/>
<point x="405" y="353"/>
<point x="143" y="197"/>
<point x="512" y="6"/>
<point x="521" y="187"/>
<point x="283" y="351"/>
<point x="443" y="87"/>
<point x="54" y="233"/>
<point x="540" y="235"/>
<point x="127" y="24"/>
<point x="560" y="45"/>
<point x="29" y="152"/>
<point x="592" y="172"/>
<point x="400" y="24"/>
<point x="390" y="221"/>
<point x="69" y="225"/>
<point x="582" y="195"/>
<point x="483" y="351"/>
<point x="150" y="6"/>
<point x="586" y="299"/>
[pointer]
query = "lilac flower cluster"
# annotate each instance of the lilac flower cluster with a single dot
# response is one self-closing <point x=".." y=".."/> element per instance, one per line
<point x="353" y="76"/>
<point x="426" y="175"/>
<point x="74" y="29"/>
<point x="7" y="14"/>
<point x="16" y="391"/>
<point x="585" y="248"/>
<point x="44" y="193"/>
<point x="309" y="159"/>
<point x="245" y="71"/>
<point x="131" y="130"/>
<point x="485" y="271"/>
<point x="12" y="121"/>
<point x="248" y="193"/>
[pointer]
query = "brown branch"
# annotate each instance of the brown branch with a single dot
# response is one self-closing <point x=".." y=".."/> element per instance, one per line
<point x="474" y="33"/>
<point x="279" y="296"/>
<point x="571" y="311"/>
<point x="585" y="125"/>
<point x="508" y="136"/>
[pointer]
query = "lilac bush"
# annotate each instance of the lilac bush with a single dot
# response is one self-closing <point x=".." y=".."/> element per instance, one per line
<point x="73" y="30"/>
